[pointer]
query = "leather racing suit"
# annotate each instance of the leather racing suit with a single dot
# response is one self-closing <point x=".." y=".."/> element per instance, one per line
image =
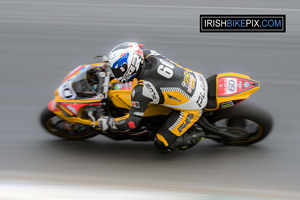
<point x="161" y="81"/>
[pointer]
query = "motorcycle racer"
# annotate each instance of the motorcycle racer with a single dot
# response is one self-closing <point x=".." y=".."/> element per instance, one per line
<point x="160" y="81"/>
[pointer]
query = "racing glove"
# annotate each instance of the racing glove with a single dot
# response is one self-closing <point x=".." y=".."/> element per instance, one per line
<point x="107" y="123"/>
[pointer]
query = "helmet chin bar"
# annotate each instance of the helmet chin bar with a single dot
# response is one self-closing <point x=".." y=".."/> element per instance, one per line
<point x="128" y="74"/>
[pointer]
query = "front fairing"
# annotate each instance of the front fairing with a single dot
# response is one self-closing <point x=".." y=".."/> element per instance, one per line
<point x="76" y="94"/>
<point x="78" y="86"/>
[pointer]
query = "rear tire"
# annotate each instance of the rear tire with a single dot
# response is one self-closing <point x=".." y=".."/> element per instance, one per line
<point x="247" y="115"/>
<point x="51" y="123"/>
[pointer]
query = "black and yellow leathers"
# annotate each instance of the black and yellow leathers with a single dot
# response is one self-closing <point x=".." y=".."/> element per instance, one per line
<point x="161" y="81"/>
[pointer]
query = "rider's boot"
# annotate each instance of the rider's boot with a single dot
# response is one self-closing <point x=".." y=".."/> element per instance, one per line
<point x="189" y="139"/>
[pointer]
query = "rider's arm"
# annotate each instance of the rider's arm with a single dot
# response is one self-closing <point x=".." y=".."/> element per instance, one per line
<point x="139" y="104"/>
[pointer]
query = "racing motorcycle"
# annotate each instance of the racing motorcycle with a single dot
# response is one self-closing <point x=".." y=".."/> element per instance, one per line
<point x="90" y="92"/>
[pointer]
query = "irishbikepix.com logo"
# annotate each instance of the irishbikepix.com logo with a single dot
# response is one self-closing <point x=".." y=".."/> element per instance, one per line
<point x="242" y="23"/>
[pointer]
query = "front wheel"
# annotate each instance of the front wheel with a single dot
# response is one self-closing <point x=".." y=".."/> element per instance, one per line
<point x="246" y="117"/>
<point x="63" y="129"/>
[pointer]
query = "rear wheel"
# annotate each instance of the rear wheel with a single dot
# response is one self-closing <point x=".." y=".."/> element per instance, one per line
<point x="63" y="129"/>
<point x="247" y="117"/>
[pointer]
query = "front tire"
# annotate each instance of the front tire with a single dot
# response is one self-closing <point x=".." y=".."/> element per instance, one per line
<point x="247" y="115"/>
<point x="63" y="129"/>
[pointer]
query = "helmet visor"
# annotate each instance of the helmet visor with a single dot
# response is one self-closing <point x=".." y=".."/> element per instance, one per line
<point x="120" y="71"/>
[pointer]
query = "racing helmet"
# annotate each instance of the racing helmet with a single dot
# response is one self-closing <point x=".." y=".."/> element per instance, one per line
<point x="125" y="60"/>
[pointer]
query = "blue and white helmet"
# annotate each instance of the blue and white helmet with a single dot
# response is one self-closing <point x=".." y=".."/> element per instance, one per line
<point x="125" y="60"/>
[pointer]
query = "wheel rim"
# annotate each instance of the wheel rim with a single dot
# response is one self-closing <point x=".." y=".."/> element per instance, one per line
<point x="65" y="129"/>
<point x="254" y="129"/>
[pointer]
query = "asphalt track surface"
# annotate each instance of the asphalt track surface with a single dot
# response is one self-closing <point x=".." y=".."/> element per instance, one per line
<point x="41" y="41"/>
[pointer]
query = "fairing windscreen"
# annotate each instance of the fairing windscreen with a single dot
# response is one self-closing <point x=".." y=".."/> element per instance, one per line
<point x="82" y="87"/>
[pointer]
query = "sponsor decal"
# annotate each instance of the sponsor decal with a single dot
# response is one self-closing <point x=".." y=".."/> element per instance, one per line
<point x="246" y="84"/>
<point x="226" y="104"/>
<point x="135" y="104"/>
<point x="239" y="84"/>
<point x="123" y="86"/>
<point x="202" y="81"/>
<point x="189" y="81"/>
<point x="120" y="122"/>
<point x="73" y="110"/>
<point x="122" y="69"/>
<point x="74" y="107"/>
<point x="187" y="121"/>
<point x="200" y="100"/>
<point x="150" y="92"/>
